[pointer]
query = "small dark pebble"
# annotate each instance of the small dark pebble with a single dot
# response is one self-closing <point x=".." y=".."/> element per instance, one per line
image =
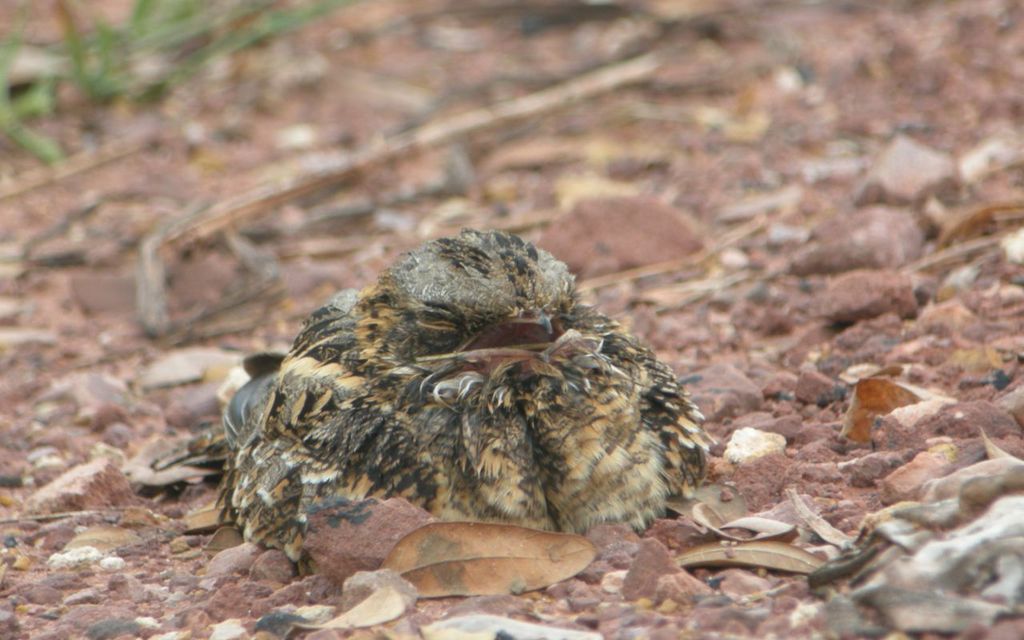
<point x="112" y="628"/>
<point x="11" y="482"/>
<point x="279" y="623"/>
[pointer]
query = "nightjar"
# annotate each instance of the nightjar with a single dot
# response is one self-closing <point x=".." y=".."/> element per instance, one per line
<point x="471" y="381"/>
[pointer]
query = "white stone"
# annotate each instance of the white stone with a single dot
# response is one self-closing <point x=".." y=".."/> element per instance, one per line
<point x="487" y="626"/>
<point x="1013" y="246"/>
<point x="147" y="622"/>
<point x="748" y="444"/>
<point x="112" y="563"/>
<point x="76" y="557"/>
<point x="228" y="630"/>
<point x="612" y="581"/>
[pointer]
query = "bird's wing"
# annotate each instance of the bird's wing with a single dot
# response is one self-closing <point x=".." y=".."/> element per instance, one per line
<point x="668" y="410"/>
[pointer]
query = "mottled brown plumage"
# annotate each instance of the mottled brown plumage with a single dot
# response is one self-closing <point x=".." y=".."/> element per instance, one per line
<point x="470" y="381"/>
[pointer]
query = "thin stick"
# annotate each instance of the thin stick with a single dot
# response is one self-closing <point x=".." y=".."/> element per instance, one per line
<point x="736" y="235"/>
<point x="43" y="517"/>
<point x="954" y="252"/>
<point x="259" y="200"/>
<point x="78" y="163"/>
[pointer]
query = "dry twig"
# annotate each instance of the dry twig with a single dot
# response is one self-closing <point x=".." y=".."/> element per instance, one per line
<point x="259" y="200"/>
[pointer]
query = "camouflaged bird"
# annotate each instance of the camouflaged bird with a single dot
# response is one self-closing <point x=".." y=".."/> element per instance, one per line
<point x="471" y="381"/>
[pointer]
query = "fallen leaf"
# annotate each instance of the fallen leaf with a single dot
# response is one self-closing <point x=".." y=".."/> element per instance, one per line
<point x="816" y="523"/>
<point x="992" y="450"/>
<point x="873" y="397"/>
<point x="476" y="558"/>
<point x="383" y="605"/>
<point x="104" y="538"/>
<point x="762" y="528"/>
<point x="769" y="555"/>
<point x="140" y="469"/>
<point x="722" y="498"/>
<point x="224" y="538"/>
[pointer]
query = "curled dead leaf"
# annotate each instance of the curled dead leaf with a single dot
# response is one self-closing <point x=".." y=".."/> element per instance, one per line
<point x="766" y="554"/>
<point x="476" y="558"/>
<point x="873" y="397"/>
<point x="141" y="468"/>
<point x="724" y="499"/>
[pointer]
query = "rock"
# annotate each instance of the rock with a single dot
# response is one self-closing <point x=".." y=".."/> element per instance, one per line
<point x="861" y="295"/>
<point x="361" y="585"/>
<point x="103" y="292"/>
<point x="606" y="535"/>
<point x="611" y="582"/>
<point x="652" y="561"/>
<point x="814" y="387"/>
<point x="1013" y="403"/>
<point x="991" y="155"/>
<point x="945" y="317"/>
<point x="233" y="560"/>
<point x="603" y="235"/>
<point x="906" y="482"/>
<point x="37" y="593"/>
<point x="228" y="630"/>
<point x="488" y="627"/>
<point x="871" y="238"/>
<point x="740" y="582"/>
<point x="968" y="420"/>
<point x="783" y="200"/>
<point x="77" y="557"/>
<point x="866" y="470"/>
<point x="949" y="486"/>
<point x="9" y="626"/>
<point x="760" y="481"/>
<point x="748" y="444"/>
<point x="191" y="404"/>
<point x="188" y="365"/>
<point x="908" y="172"/>
<point x="676" y="533"/>
<point x="92" y="485"/>
<point x="113" y="628"/>
<point x="680" y="587"/>
<point x="272" y="565"/>
<point x="723" y="391"/>
<point x="344" y="536"/>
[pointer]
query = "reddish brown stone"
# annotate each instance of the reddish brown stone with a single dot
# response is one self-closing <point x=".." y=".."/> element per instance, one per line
<point x="344" y="537"/>
<point x="92" y="485"/>
<point x="602" y="235"/>
<point x="860" y="295"/>
<point x="652" y="561"/>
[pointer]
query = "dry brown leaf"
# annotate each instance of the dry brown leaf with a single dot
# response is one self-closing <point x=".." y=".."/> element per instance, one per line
<point x="873" y="397"/>
<point x="762" y="528"/>
<point x="976" y="222"/>
<point x="383" y="605"/>
<point x="816" y="523"/>
<point x="205" y="519"/>
<point x="766" y="554"/>
<point x="224" y="538"/>
<point x="992" y="450"/>
<point x="722" y="498"/>
<point x="140" y="468"/>
<point x="104" y="538"/>
<point x="476" y="558"/>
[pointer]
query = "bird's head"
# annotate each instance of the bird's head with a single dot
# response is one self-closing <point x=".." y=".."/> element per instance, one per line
<point x="481" y="292"/>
